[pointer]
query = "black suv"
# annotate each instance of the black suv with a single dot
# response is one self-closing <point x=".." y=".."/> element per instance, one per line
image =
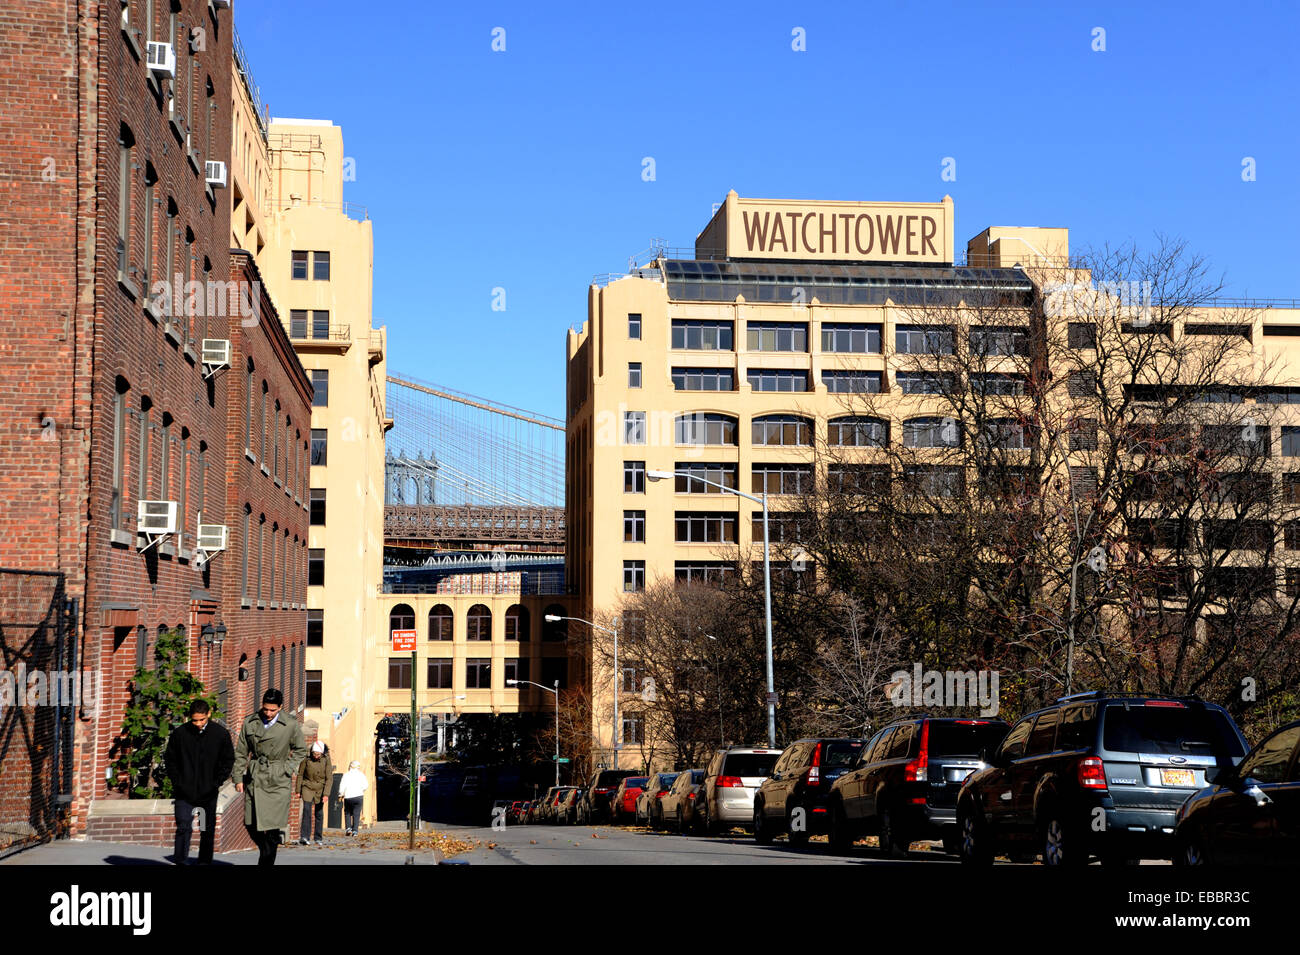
<point x="596" y="802"/>
<point x="906" y="782"/>
<point x="1095" y="774"/>
<point x="801" y="780"/>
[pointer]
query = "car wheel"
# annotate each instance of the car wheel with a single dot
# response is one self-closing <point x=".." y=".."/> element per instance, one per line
<point x="952" y="845"/>
<point x="1061" y="845"/>
<point x="710" y="827"/>
<point x="974" y="846"/>
<point x="799" y="838"/>
<point x="840" y="838"/>
<point x="762" y="833"/>
<point x="891" y="840"/>
<point x="1191" y="850"/>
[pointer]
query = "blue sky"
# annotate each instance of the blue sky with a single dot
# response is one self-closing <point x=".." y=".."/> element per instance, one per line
<point x="522" y="169"/>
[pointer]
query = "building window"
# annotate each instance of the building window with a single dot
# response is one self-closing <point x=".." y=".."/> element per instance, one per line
<point x="691" y="476"/>
<point x="923" y="340"/>
<point x="634" y="527"/>
<point x="438" y="676"/>
<point x="320" y="266"/>
<point x="150" y="181"/>
<point x="781" y="430"/>
<point x="633" y="575"/>
<point x="315" y="628"/>
<point x="634" y="374"/>
<point x="313" y="689"/>
<point x="858" y="432"/>
<point x="478" y="623"/>
<point x="924" y="382"/>
<point x="320" y="324"/>
<point x="1082" y="384"/>
<point x="399" y="673"/>
<point x="634" y="427"/>
<point x="988" y="384"/>
<point x="852" y="382"/>
<point x="777" y="379"/>
<point x="318" y="443"/>
<point x="858" y="478"/>
<point x="781" y="478"/>
<point x="318" y="506"/>
<point x="478" y="673"/>
<point x="934" y="481"/>
<point x="851" y="339"/>
<point x="320" y="382"/>
<point x="275" y="442"/>
<point x="702" y="336"/>
<point x="632" y="731"/>
<point x="401" y="617"/>
<point x="704" y="379"/>
<point x="517" y="623"/>
<point x="555" y="673"/>
<point x="705" y="428"/>
<point x="142" y="465"/>
<point x="124" y="143"/>
<point x="702" y="571"/>
<point x="299" y="265"/>
<point x="1082" y="335"/>
<point x="705" y="527"/>
<point x="249" y="393"/>
<point x="298" y="323"/>
<point x="248" y="517"/>
<point x="266" y="425"/>
<point x="633" y="477"/>
<point x="991" y="341"/>
<point x="931" y="433"/>
<point x="1290" y="442"/>
<point x="555" y="630"/>
<point x="440" y="622"/>
<point x="1007" y="433"/>
<point x="316" y="567"/>
<point x="1083" y="434"/>
<point x="776" y="336"/>
<point x="634" y="325"/>
<point x="517" y="669"/>
<point x="118" y="503"/>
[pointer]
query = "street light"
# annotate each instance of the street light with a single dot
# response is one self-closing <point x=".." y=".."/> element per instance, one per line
<point x="552" y="618"/>
<point x="767" y="583"/>
<point x="419" y="762"/>
<point x="555" y="691"/>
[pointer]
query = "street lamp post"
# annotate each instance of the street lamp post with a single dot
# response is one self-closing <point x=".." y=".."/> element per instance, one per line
<point x="767" y="583"/>
<point x="617" y="737"/>
<point x="556" y="692"/>
<point x="419" y="762"/>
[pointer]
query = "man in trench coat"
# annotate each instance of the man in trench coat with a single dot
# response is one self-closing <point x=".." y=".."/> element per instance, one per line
<point x="270" y="747"/>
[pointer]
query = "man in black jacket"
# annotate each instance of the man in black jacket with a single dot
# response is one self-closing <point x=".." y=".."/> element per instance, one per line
<point x="199" y="758"/>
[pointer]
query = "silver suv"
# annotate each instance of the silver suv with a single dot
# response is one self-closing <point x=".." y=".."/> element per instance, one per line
<point x="733" y="776"/>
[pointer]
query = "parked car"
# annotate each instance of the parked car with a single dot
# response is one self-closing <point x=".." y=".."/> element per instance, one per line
<point x="599" y="795"/>
<point x="519" y="814"/>
<point x="907" y="780"/>
<point x="566" y="810"/>
<point x="793" y="799"/>
<point x="1094" y="774"/>
<point x="623" y="806"/>
<point x="647" y="803"/>
<point x="551" y="802"/>
<point x="1249" y="814"/>
<point x="733" y="776"/>
<point x="678" y="803"/>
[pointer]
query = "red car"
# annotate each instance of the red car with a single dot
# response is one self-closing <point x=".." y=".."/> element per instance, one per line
<point x="624" y="803"/>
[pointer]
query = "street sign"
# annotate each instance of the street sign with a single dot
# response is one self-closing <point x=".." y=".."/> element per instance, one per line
<point x="560" y="759"/>
<point x="403" y="641"/>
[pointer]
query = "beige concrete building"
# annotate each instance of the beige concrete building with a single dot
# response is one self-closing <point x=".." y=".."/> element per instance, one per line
<point x="735" y="364"/>
<point x="318" y="261"/>
<point x="250" y="160"/>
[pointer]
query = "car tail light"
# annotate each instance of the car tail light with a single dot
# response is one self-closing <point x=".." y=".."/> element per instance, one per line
<point x="814" y="775"/>
<point x="1092" y="773"/>
<point x="729" y="782"/>
<point x="690" y="795"/>
<point x="1173" y="703"/>
<point x="661" y="793"/>
<point x="918" y="770"/>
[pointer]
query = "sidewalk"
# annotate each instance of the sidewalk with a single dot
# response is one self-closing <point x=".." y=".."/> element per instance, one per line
<point x="385" y="844"/>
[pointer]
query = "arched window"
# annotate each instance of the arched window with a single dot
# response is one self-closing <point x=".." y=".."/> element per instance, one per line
<point x="781" y="429"/>
<point x="856" y="431"/>
<point x="557" y="630"/>
<point x="517" y="623"/>
<point x="401" y="617"/>
<point x="931" y="433"/>
<point x="479" y="623"/>
<point x="705" y="428"/>
<point x="440" y="621"/>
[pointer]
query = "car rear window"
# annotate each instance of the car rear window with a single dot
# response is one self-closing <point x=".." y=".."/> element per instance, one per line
<point x="610" y="777"/>
<point x="749" y="764"/>
<point x="666" y="779"/>
<point x="1169" y="731"/>
<point x="697" y="776"/>
<point x="840" y="754"/>
<point x="965" y="739"/>
<point x="635" y="782"/>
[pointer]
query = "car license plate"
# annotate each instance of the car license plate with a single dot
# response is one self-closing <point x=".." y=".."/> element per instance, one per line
<point x="1177" y="777"/>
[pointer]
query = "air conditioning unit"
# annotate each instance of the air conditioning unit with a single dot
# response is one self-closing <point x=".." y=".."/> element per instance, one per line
<point x="162" y="59"/>
<point x="216" y="352"/>
<point x="212" y="537"/>
<point x="156" y="517"/>
<point x="216" y="173"/>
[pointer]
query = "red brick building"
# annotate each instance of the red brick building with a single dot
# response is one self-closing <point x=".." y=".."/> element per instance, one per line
<point x="113" y="274"/>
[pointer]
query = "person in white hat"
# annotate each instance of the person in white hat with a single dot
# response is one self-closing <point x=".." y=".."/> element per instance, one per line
<point x="352" y="791"/>
<point x="315" y="774"/>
